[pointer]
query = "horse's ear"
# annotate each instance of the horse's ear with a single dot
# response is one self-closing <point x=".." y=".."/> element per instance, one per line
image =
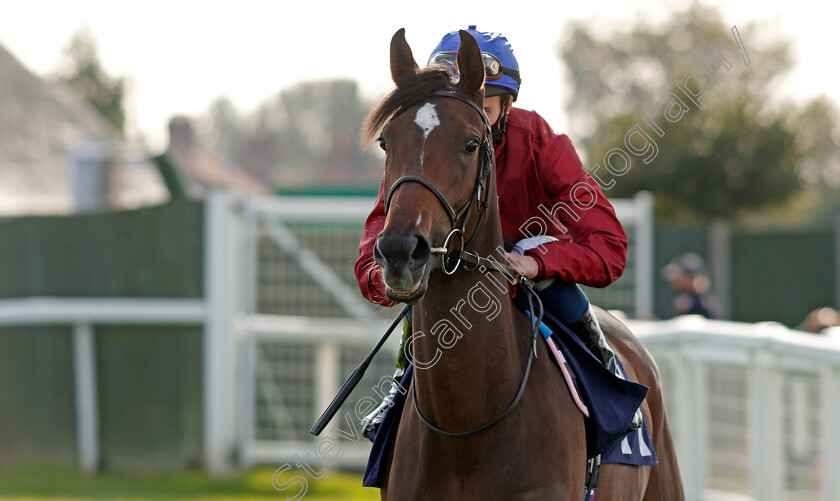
<point x="402" y="61"/>
<point x="470" y="65"/>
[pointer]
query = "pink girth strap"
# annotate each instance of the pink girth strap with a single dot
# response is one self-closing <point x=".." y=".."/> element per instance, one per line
<point x="561" y="361"/>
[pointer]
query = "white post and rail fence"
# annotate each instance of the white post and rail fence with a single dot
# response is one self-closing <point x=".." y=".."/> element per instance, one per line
<point x="754" y="409"/>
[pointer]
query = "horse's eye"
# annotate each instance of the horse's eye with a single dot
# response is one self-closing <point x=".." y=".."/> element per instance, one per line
<point x="471" y="146"/>
<point x="382" y="145"/>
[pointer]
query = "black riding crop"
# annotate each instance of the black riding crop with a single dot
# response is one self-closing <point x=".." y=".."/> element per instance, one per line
<point x="354" y="379"/>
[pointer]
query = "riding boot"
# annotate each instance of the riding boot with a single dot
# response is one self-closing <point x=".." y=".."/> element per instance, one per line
<point x="589" y="331"/>
<point x="371" y="422"/>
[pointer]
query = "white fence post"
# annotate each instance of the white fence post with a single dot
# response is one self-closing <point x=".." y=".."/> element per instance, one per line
<point x="247" y="401"/>
<point x="644" y="255"/>
<point x="327" y="365"/>
<point x="764" y="417"/>
<point x="221" y="293"/>
<point x="692" y="433"/>
<point x="829" y="427"/>
<point x="87" y="405"/>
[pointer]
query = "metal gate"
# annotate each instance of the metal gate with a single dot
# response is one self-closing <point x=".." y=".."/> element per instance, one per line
<point x="304" y="325"/>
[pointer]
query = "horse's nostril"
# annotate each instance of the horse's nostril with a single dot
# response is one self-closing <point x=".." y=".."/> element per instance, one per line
<point x="377" y="253"/>
<point x="422" y="251"/>
<point x="412" y="251"/>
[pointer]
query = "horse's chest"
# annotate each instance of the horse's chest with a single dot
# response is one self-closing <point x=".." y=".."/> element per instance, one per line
<point x="520" y="459"/>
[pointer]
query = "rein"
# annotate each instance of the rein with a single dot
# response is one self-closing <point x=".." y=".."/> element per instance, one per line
<point x="485" y="170"/>
<point x="532" y="354"/>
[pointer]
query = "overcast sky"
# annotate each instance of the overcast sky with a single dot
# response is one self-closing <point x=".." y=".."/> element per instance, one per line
<point x="180" y="55"/>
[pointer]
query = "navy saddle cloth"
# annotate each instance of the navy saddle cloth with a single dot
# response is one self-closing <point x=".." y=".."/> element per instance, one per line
<point x="612" y="402"/>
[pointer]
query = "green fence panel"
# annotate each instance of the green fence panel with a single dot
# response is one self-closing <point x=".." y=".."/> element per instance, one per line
<point x="782" y="276"/>
<point x="37" y="406"/>
<point x="151" y="252"/>
<point x="150" y="397"/>
<point x="148" y="377"/>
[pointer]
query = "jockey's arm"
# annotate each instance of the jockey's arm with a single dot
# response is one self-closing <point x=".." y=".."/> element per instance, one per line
<point x="368" y="272"/>
<point x="596" y="254"/>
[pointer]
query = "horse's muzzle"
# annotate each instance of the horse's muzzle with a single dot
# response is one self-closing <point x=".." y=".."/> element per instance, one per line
<point x="403" y="260"/>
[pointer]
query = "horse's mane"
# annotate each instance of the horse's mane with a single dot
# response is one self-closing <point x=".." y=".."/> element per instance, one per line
<point x="410" y="90"/>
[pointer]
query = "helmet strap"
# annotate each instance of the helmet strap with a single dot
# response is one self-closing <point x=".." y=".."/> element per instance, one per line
<point x="499" y="128"/>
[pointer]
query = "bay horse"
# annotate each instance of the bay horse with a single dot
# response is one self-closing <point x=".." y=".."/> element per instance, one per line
<point x="441" y="189"/>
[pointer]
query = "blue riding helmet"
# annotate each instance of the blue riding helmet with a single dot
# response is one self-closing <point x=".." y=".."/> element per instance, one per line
<point x="501" y="66"/>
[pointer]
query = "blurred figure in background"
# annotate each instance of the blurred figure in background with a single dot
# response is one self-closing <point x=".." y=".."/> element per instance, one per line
<point x="819" y="320"/>
<point x="688" y="278"/>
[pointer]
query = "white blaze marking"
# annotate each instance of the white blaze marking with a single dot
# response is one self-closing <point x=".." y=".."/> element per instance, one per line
<point x="419" y="217"/>
<point x="427" y="119"/>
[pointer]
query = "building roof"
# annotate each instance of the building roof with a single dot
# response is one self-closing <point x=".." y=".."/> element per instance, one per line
<point x="201" y="169"/>
<point x="41" y="125"/>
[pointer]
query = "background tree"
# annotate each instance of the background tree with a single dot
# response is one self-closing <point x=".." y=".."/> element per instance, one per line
<point x="80" y="68"/>
<point x="745" y="150"/>
<point x="305" y="138"/>
<point x="225" y="130"/>
<point x="321" y="124"/>
<point x="309" y="137"/>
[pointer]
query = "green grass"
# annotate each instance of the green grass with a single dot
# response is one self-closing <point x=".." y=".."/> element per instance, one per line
<point x="68" y="484"/>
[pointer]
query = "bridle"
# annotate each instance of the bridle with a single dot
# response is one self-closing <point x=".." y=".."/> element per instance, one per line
<point x="485" y="170"/>
<point x="488" y="159"/>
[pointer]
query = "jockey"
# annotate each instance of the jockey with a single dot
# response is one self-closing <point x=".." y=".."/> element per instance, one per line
<point x="543" y="190"/>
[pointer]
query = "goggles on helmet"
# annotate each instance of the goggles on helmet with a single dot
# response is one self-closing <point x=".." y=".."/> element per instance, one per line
<point x="493" y="69"/>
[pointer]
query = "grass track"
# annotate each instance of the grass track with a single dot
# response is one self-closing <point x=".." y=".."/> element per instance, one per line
<point x="55" y="484"/>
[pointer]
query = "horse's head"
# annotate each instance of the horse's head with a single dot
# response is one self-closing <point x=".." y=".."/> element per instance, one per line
<point x="438" y="153"/>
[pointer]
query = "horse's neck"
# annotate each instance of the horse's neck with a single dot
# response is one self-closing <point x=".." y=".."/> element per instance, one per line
<point x="466" y="331"/>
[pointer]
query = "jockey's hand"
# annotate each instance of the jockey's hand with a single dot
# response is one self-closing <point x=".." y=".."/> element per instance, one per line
<point x="526" y="265"/>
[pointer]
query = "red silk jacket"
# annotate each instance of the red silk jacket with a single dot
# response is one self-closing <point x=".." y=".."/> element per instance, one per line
<point x="543" y="189"/>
